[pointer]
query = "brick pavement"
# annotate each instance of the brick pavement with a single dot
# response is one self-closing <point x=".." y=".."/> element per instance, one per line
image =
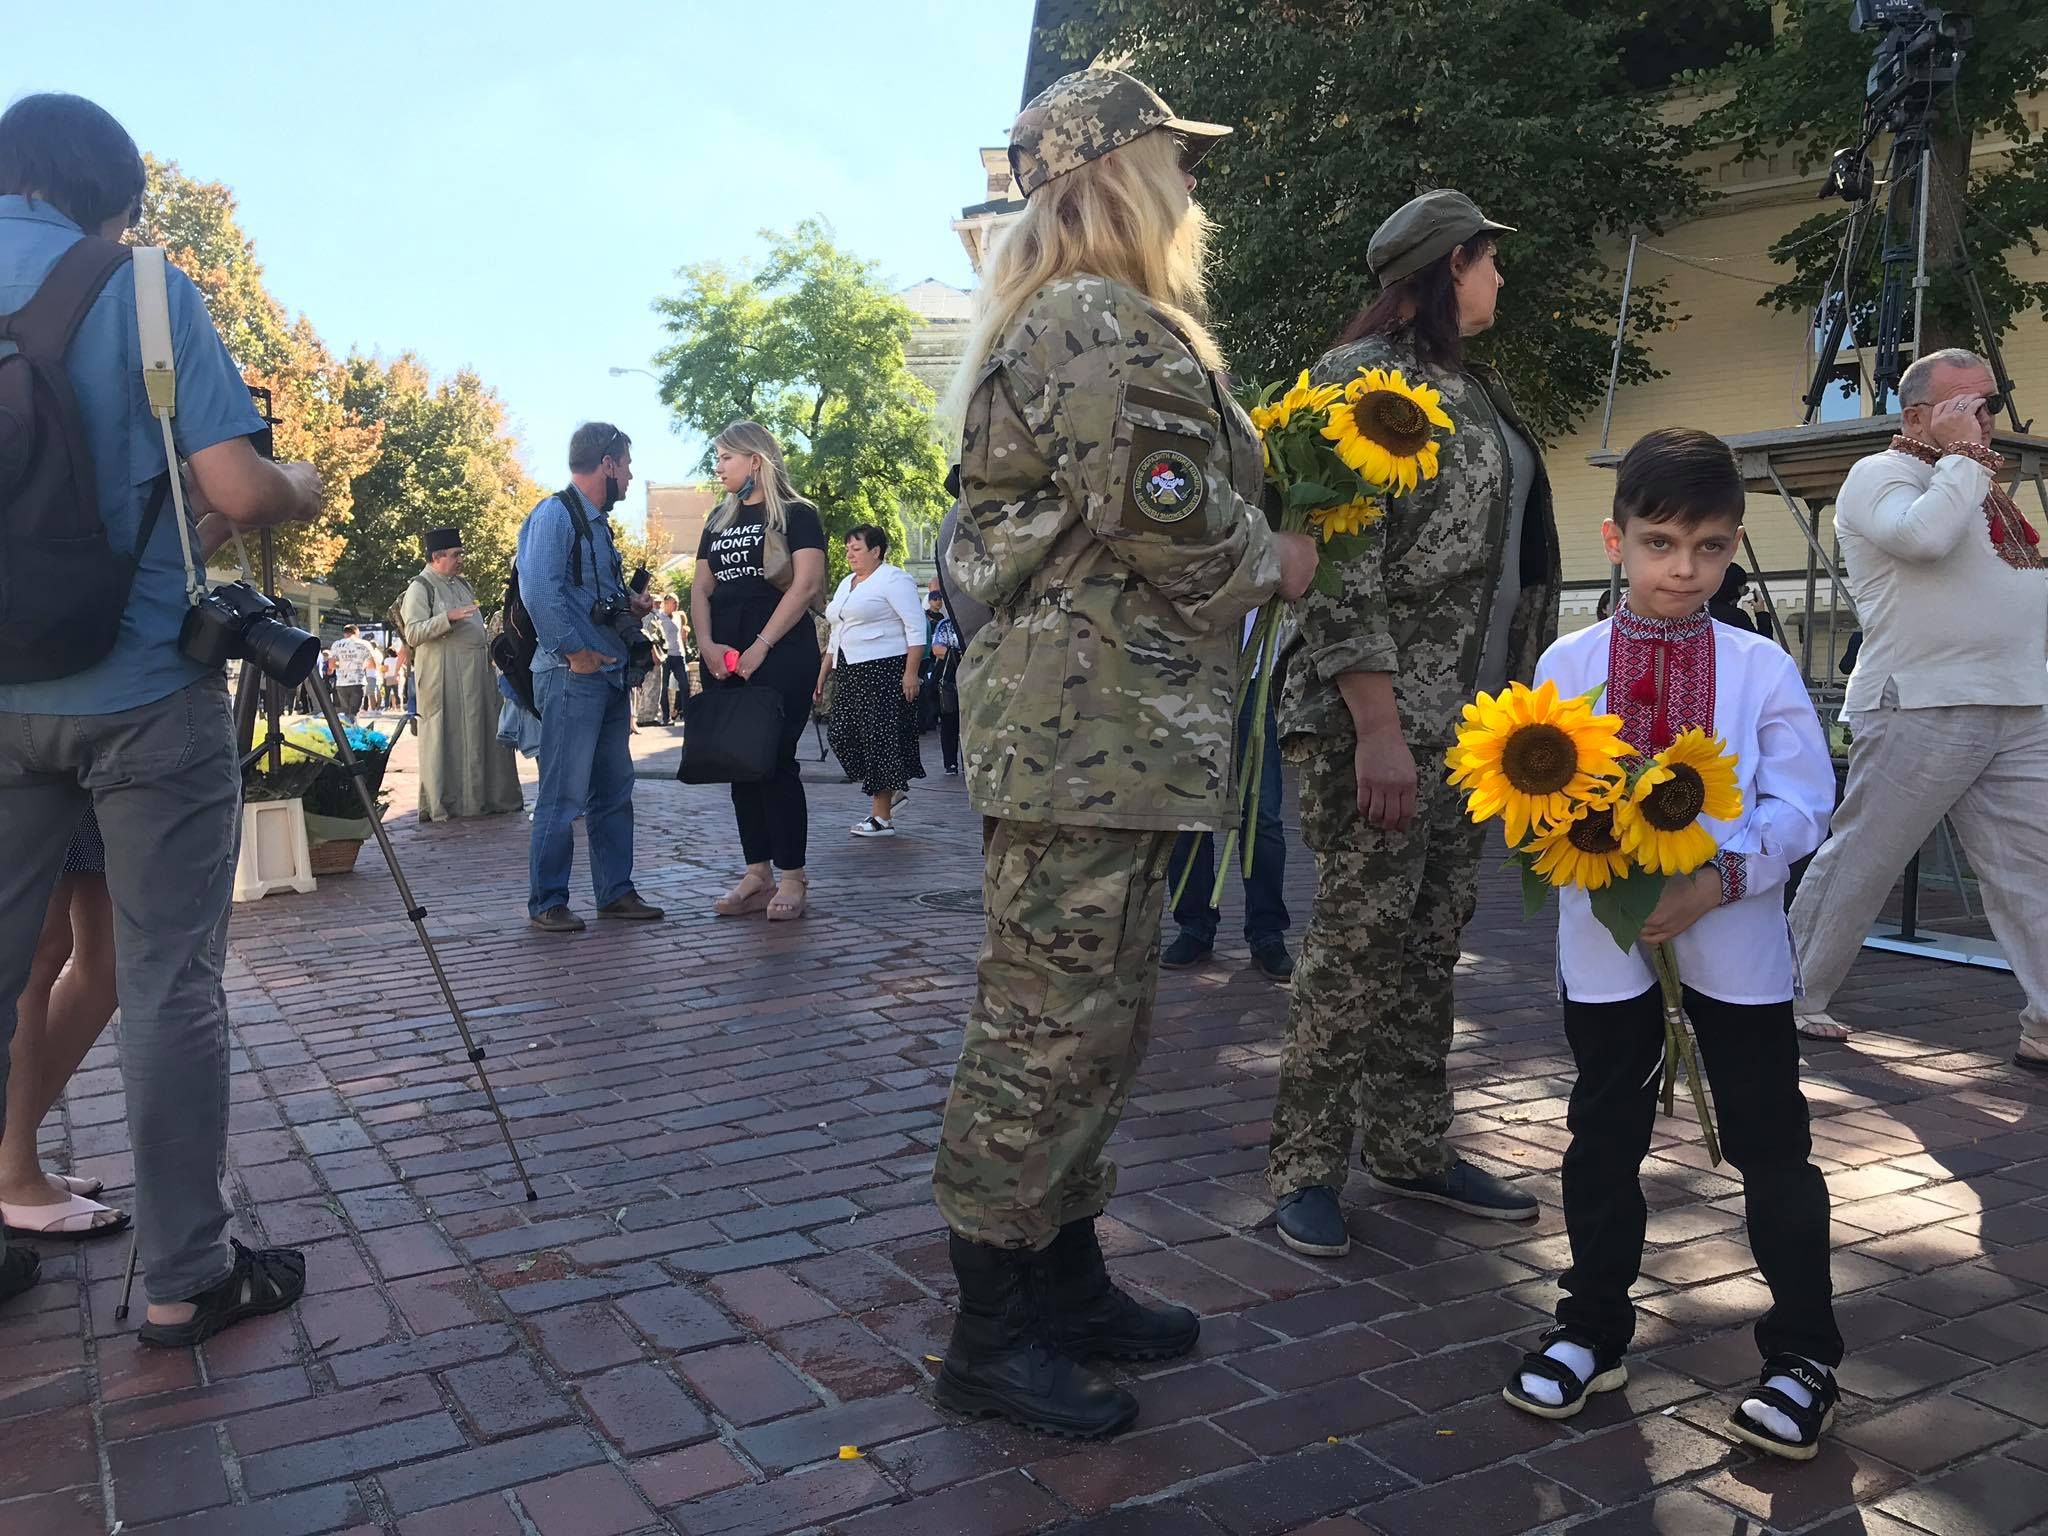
<point x="734" y="1268"/>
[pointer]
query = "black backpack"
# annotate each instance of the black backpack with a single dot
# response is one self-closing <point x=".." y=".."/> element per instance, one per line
<point x="517" y="642"/>
<point x="62" y="586"/>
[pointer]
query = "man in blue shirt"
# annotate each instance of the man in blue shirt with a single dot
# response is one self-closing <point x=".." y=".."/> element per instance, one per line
<point x="569" y="568"/>
<point x="144" y="736"/>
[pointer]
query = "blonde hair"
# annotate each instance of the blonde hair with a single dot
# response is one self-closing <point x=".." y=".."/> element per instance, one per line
<point x="1120" y="216"/>
<point x="756" y="441"/>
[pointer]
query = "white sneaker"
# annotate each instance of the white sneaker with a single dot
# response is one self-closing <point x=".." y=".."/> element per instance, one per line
<point x="874" y="826"/>
<point x="897" y="800"/>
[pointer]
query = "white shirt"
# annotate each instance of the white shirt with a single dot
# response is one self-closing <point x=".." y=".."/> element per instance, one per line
<point x="882" y="616"/>
<point x="353" y="657"/>
<point x="1741" y="952"/>
<point x="671" y="632"/>
<point x="1945" y="620"/>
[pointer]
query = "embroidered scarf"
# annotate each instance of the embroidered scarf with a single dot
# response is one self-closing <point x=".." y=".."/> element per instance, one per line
<point x="1660" y="676"/>
<point x="2013" y="538"/>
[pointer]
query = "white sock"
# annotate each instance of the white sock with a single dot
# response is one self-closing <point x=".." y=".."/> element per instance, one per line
<point x="1575" y="1358"/>
<point x="1773" y="1419"/>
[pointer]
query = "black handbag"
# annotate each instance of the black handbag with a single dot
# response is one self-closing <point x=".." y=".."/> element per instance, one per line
<point x="732" y="734"/>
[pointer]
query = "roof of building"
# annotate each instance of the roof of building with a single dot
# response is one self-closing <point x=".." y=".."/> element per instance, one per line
<point x="932" y="300"/>
<point x="1045" y="63"/>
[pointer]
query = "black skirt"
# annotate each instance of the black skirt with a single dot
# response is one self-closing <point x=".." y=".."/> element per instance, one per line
<point x="874" y="728"/>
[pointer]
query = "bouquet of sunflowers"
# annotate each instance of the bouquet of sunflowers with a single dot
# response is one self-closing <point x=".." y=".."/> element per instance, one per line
<point x="1579" y="806"/>
<point x="1333" y="455"/>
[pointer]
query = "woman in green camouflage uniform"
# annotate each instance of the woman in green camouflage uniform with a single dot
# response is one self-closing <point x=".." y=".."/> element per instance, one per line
<point x="1457" y="591"/>
<point x="1109" y="489"/>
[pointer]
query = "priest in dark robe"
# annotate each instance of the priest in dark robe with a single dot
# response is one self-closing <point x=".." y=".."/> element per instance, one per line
<point x="464" y="769"/>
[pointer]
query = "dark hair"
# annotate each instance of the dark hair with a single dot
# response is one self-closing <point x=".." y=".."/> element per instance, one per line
<point x="72" y="155"/>
<point x="871" y="536"/>
<point x="1433" y="295"/>
<point x="1678" y="475"/>
<point x="1734" y="581"/>
<point x="1605" y="606"/>
<point x="594" y="442"/>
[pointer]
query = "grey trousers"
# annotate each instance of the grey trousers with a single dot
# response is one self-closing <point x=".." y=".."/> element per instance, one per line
<point x="163" y="781"/>
<point x="1983" y="765"/>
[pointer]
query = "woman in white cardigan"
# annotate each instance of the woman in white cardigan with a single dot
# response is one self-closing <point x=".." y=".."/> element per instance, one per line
<point x="876" y="643"/>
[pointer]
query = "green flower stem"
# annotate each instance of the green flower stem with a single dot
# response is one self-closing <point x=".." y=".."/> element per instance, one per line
<point x="1679" y="1048"/>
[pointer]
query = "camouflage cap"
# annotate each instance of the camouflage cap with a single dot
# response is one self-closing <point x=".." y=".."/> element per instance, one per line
<point x="1082" y="116"/>
<point x="1423" y="229"/>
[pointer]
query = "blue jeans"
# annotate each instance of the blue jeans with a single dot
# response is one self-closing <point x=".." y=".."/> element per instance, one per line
<point x="586" y="769"/>
<point x="1265" y="909"/>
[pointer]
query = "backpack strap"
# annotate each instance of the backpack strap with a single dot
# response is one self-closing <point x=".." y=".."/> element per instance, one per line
<point x="44" y="326"/>
<point x="572" y="499"/>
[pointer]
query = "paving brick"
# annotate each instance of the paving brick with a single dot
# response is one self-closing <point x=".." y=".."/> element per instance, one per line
<point x="1901" y="1368"/>
<point x="2020" y="1390"/>
<point x="677" y="1477"/>
<point x="69" y="1512"/>
<point x="1306" y="1362"/>
<point x="640" y="1409"/>
<point x="676" y="1318"/>
<point x="591" y="1501"/>
<point x="336" y="1413"/>
<point x="745" y="1383"/>
<point x="1433" y="1447"/>
<point x="579" y="1340"/>
<point x="1135" y="1466"/>
<point x="221" y="1400"/>
<point x="1635" y="1458"/>
<point x="1926" y="1435"/>
<point x="1291" y="1491"/>
<point x="810" y="1437"/>
<point x="786" y="1504"/>
<point x="306" y="1513"/>
<point x="169" y="1474"/>
<point x="1786" y="1496"/>
<point x="1496" y="1502"/>
<point x="505" y="1396"/>
<point x="49" y="1451"/>
<point x="1311" y="1416"/>
<point x="488" y="1514"/>
<point x="438" y="1351"/>
<point x="362" y="1450"/>
<point x="843" y="1357"/>
<point x="1986" y="1498"/>
<point x="1004" y="1505"/>
<point x="766" y="1299"/>
<point x="449" y="1478"/>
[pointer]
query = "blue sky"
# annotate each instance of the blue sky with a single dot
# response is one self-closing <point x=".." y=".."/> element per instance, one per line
<point x="506" y="186"/>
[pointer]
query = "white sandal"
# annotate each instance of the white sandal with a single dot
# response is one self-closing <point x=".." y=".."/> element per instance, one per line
<point x="72" y="1217"/>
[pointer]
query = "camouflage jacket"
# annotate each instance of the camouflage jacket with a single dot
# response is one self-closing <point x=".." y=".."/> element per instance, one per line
<point x="1109" y="489"/>
<point x="1417" y="601"/>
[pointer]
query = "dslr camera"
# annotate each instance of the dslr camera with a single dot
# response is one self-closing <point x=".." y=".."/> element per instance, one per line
<point x="616" y="614"/>
<point x="236" y="622"/>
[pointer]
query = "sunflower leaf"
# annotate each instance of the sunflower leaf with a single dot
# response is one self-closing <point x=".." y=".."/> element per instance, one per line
<point x="1535" y="889"/>
<point x="1310" y="493"/>
<point x="1625" y="905"/>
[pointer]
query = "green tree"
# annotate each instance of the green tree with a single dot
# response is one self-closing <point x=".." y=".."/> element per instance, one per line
<point x="638" y="547"/>
<point x="196" y="224"/>
<point x="1802" y="97"/>
<point x="444" y="459"/>
<point x="1345" y="109"/>
<point x="810" y="346"/>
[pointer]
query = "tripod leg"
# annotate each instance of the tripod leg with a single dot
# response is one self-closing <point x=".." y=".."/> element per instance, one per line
<point x="418" y="916"/>
<point x="127" y="1285"/>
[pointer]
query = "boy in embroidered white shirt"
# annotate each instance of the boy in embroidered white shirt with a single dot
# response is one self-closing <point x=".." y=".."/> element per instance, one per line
<point x="1667" y="667"/>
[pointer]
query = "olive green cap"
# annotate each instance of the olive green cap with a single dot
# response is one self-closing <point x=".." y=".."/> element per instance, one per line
<point x="1083" y="116"/>
<point x="1423" y="229"/>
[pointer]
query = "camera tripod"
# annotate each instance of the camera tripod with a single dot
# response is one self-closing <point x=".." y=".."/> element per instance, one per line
<point x="252" y="683"/>
<point x="1914" y="75"/>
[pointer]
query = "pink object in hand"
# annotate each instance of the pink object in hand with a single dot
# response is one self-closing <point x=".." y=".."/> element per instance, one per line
<point x="732" y="661"/>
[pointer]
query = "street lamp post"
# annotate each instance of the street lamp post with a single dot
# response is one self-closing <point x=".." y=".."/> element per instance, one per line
<point x="620" y="373"/>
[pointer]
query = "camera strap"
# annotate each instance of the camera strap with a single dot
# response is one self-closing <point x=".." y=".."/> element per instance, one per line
<point x="160" y="383"/>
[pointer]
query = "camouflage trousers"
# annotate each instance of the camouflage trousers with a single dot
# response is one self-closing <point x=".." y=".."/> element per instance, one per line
<point x="1370" y="1023"/>
<point x="1062" y="1015"/>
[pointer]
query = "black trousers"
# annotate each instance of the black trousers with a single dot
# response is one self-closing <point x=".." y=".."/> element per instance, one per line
<point x="773" y="815"/>
<point x="1751" y="1057"/>
<point x="949" y="738"/>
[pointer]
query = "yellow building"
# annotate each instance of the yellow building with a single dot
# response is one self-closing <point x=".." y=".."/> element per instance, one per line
<point x="678" y="512"/>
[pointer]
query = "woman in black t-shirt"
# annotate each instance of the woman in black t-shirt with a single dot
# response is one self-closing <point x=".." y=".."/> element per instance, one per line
<point x="752" y="594"/>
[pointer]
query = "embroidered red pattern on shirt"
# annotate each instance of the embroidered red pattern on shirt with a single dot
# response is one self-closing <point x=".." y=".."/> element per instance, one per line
<point x="1660" y="677"/>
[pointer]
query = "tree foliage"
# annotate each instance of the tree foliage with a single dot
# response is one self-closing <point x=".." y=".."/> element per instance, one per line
<point x="195" y="222"/>
<point x="1802" y="97"/>
<point x="444" y="459"/>
<point x="811" y="346"/>
<point x="1347" y="108"/>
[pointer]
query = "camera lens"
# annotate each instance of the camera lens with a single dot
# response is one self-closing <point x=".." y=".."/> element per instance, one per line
<point x="283" y="652"/>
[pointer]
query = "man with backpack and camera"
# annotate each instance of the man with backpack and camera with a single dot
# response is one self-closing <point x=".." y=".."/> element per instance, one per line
<point x="102" y="703"/>
<point x="585" y="623"/>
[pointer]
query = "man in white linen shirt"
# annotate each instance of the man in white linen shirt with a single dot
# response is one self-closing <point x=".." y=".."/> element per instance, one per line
<point x="1948" y="705"/>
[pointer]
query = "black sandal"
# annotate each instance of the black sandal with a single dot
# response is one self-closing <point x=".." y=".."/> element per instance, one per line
<point x="1609" y="1375"/>
<point x="18" y="1270"/>
<point x="264" y="1280"/>
<point x="1812" y="1420"/>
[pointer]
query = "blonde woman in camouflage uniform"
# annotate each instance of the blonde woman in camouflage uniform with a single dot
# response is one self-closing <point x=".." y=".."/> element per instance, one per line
<point x="1457" y="592"/>
<point x="1109" y="488"/>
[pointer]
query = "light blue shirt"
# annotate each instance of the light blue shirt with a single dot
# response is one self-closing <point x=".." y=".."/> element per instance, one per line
<point x="105" y="364"/>
<point x="559" y="603"/>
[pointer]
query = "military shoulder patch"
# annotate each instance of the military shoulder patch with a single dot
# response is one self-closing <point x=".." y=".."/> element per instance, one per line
<point x="1166" y="485"/>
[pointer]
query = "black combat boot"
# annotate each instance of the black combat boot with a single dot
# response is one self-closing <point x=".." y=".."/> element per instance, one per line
<point x="1091" y="1316"/>
<point x="1001" y="1363"/>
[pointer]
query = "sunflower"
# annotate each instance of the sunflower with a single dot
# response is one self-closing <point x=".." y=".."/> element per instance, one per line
<point x="1534" y="760"/>
<point x="1353" y="517"/>
<point x="1691" y="778"/>
<point x="1302" y="396"/>
<point x="1586" y="851"/>
<point x="1382" y="428"/>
